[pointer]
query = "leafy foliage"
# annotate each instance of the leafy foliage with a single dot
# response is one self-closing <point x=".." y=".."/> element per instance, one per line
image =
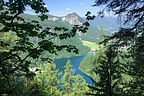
<point x="24" y="50"/>
<point x="48" y="82"/>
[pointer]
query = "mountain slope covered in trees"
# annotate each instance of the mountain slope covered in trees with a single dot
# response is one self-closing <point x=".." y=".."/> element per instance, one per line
<point x="67" y="22"/>
<point x="109" y="24"/>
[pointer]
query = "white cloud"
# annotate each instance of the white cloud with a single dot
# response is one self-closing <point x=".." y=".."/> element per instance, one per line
<point x="67" y="9"/>
<point x="81" y="3"/>
<point x="45" y="5"/>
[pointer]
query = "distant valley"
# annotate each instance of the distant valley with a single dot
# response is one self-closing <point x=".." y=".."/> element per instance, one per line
<point x="108" y="24"/>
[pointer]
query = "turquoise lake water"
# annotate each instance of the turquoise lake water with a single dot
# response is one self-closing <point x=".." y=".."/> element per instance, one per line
<point x="75" y="62"/>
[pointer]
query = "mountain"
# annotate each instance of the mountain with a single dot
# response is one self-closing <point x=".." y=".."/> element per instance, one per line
<point x="73" y="19"/>
<point x="68" y="22"/>
<point x="109" y="25"/>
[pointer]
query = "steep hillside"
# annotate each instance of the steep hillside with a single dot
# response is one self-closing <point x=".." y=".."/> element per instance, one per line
<point x="54" y="21"/>
<point x="109" y="25"/>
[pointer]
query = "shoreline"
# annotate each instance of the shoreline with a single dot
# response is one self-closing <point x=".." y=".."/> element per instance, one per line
<point x="87" y="75"/>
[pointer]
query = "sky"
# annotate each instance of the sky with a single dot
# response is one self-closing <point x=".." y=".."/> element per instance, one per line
<point x="64" y="7"/>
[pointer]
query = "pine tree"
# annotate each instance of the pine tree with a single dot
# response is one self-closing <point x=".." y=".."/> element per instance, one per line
<point x="135" y="69"/>
<point x="102" y="35"/>
<point x="109" y="72"/>
<point x="67" y="79"/>
<point x="80" y="87"/>
<point x="73" y="85"/>
<point x="48" y="79"/>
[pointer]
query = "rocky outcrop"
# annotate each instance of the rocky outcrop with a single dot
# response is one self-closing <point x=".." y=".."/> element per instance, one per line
<point x="73" y="19"/>
<point x="53" y="18"/>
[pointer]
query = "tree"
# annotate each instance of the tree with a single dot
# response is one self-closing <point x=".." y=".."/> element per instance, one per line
<point x="67" y="79"/>
<point x="108" y="70"/>
<point x="79" y="86"/>
<point x="24" y="51"/>
<point x="46" y="80"/>
<point x="102" y="35"/>
<point x="131" y="12"/>
<point x="72" y="85"/>
<point x="135" y="70"/>
<point x="7" y="41"/>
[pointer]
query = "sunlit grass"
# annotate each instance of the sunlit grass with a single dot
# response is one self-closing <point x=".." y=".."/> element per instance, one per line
<point x="92" y="45"/>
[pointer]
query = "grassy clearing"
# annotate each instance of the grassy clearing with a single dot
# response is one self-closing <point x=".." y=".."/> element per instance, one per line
<point x="92" y="45"/>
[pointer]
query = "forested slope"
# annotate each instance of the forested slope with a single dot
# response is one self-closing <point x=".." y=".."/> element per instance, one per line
<point x="54" y="21"/>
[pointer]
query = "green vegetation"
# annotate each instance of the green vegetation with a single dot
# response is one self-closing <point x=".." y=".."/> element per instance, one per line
<point x="75" y="41"/>
<point x="73" y="85"/>
<point x="28" y="44"/>
<point x="94" y="46"/>
<point x="108" y="71"/>
<point x="33" y="41"/>
<point x="47" y="82"/>
<point x="111" y="70"/>
<point x="87" y="66"/>
<point x="131" y="38"/>
<point x="72" y="41"/>
<point x="89" y="44"/>
<point x="91" y="35"/>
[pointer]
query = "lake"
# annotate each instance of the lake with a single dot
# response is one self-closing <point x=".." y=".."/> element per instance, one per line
<point x="75" y="62"/>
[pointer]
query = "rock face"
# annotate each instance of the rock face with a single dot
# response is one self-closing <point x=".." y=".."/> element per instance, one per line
<point x="53" y="18"/>
<point x="73" y="19"/>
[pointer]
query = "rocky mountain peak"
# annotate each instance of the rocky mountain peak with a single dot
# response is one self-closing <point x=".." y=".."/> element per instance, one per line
<point x="53" y="18"/>
<point x="73" y="14"/>
<point x="73" y="18"/>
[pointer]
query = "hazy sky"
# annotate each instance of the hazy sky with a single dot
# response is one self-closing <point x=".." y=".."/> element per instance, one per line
<point x="64" y="7"/>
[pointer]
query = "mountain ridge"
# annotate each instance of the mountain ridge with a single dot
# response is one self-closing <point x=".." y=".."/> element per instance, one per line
<point x="70" y="41"/>
<point x="108" y="24"/>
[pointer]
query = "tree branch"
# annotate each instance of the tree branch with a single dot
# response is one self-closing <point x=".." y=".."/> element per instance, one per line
<point x="10" y="57"/>
<point x="7" y="79"/>
<point x="36" y="48"/>
<point x="141" y="18"/>
<point x="95" y="88"/>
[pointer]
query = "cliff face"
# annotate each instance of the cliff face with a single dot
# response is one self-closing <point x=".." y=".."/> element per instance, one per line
<point x="53" y="18"/>
<point x="73" y="19"/>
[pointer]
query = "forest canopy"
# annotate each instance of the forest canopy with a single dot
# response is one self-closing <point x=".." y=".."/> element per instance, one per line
<point x="25" y="42"/>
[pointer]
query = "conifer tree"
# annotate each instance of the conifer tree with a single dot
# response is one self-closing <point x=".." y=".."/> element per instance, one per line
<point x="73" y="85"/>
<point x="131" y="37"/>
<point x="67" y="79"/>
<point x="48" y="78"/>
<point x="135" y="69"/>
<point x="80" y="87"/>
<point x="109" y="71"/>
